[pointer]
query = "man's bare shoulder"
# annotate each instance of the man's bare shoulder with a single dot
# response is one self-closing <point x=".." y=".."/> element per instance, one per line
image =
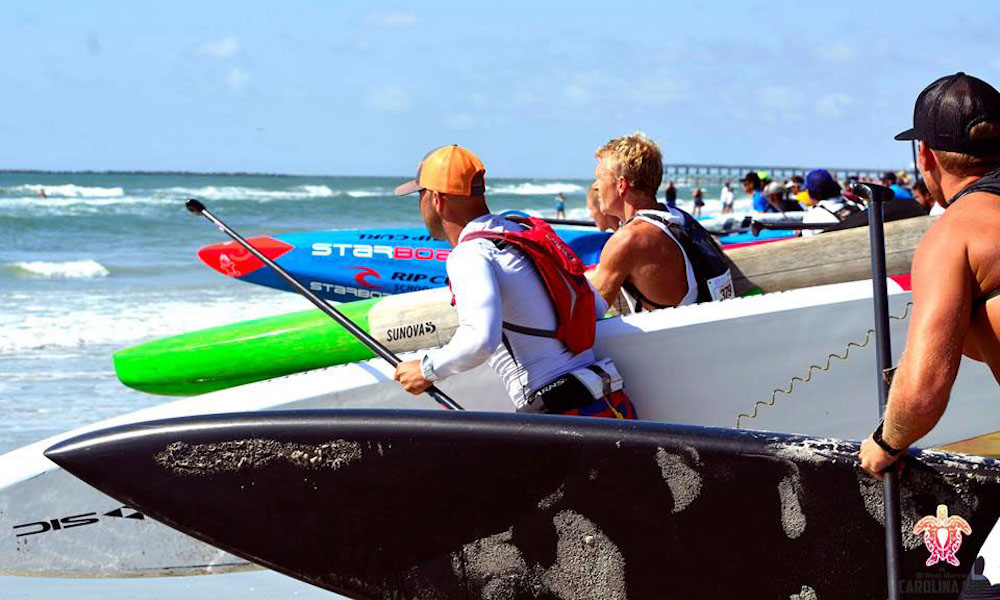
<point x="972" y="216"/>
<point x="638" y="236"/>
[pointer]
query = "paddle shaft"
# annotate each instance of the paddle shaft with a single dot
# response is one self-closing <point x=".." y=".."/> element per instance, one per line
<point x="875" y="194"/>
<point x="363" y="336"/>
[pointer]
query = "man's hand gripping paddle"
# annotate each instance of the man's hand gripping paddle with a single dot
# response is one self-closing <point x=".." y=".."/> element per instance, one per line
<point x="199" y="209"/>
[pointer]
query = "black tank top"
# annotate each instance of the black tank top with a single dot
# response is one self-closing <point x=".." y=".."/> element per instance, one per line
<point x="989" y="183"/>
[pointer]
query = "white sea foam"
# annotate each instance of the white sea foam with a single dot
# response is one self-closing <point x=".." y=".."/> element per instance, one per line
<point x="99" y="319"/>
<point x="212" y="192"/>
<point x="68" y="190"/>
<point x="365" y="193"/>
<point x="534" y="189"/>
<point x="73" y="269"/>
<point x="67" y="205"/>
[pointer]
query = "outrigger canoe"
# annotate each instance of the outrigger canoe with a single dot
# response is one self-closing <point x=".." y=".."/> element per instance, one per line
<point x="404" y="504"/>
<point x="798" y="361"/>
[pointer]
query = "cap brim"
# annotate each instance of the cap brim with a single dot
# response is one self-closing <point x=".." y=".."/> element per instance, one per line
<point x="909" y="134"/>
<point x="408" y="188"/>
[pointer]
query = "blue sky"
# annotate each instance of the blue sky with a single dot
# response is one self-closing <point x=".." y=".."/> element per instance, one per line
<point x="366" y="88"/>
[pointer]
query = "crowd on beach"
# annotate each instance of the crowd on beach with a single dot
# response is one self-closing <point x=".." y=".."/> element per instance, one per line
<point x="819" y="195"/>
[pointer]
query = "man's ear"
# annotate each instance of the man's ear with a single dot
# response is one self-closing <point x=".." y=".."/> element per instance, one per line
<point x="437" y="201"/>
<point x="926" y="161"/>
<point x="622" y="186"/>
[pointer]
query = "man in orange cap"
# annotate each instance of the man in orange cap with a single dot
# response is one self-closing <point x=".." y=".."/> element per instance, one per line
<point x="508" y="311"/>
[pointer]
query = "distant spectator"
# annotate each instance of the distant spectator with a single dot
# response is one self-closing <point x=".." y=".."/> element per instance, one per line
<point x="603" y="221"/>
<point x="829" y="205"/>
<point x="727" y="197"/>
<point x="797" y="190"/>
<point x="752" y="186"/>
<point x="922" y="195"/>
<point x="699" y="202"/>
<point x="775" y="194"/>
<point x="560" y="206"/>
<point x="670" y="194"/>
<point x="889" y="180"/>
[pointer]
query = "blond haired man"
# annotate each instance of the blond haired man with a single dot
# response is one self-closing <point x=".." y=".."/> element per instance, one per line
<point x="660" y="256"/>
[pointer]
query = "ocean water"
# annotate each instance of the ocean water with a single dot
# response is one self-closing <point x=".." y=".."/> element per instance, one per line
<point x="90" y="263"/>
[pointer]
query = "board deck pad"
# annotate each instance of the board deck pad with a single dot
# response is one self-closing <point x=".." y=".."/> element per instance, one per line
<point x="410" y="504"/>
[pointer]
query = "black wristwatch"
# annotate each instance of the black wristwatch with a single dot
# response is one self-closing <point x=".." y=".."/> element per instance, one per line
<point x="877" y="436"/>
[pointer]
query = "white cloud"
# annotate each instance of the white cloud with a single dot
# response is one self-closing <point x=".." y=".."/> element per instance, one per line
<point x="778" y="97"/>
<point x="224" y="48"/>
<point x="584" y="86"/>
<point x="388" y="98"/>
<point x="394" y="18"/>
<point x="834" y="104"/>
<point x="523" y="98"/>
<point x="839" y="52"/>
<point x="237" y="79"/>
<point x="460" y="121"/>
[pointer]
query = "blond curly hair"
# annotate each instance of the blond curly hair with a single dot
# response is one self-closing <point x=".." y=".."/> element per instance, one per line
<point x="637" y="158"/>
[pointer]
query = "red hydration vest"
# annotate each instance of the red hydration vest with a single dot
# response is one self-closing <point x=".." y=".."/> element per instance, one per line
<point x="562" y="272"/>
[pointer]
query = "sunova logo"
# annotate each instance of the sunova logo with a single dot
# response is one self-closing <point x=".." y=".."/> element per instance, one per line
<point x="395" y="334"/>
<point x="72" y="521"/>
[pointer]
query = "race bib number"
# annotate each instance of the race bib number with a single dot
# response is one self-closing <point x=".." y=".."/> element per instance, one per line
<point x="721" y="287"/>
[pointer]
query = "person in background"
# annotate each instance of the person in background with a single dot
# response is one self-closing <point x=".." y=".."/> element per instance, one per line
<point x="890" y="181"/>
<point x="829" y="206"/>
<point x="956" y="280"/>
<point x="699" y="202"/>
<point x="923" y="196"/>
<point x="604" y="222"/>
<point x="775" y="194"/>
<point x="797" y="190"/>
<point x="560" y="206"/>
<point x="502" y="280"/>
<point x="727" y="198"/>
<point x="752" y="186"/>
<point x="670" y="194"/>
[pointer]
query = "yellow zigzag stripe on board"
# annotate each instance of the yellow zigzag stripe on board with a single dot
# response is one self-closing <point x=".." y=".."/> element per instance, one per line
<point x="814" y="369"/>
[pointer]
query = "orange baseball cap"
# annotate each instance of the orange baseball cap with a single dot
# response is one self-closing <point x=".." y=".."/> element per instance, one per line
<point x="448" y="170"/>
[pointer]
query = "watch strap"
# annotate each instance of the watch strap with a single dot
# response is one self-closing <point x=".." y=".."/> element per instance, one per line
<point x="877" y="436"/>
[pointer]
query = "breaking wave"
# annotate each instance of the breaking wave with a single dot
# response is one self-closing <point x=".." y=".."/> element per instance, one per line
<point x="211" y="192"/>
<point x="534" y="189"/>
<point x="67" y="190"/>
<point x="73" y="269"/>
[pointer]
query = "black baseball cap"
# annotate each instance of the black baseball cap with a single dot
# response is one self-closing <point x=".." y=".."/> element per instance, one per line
<point x="752" y="177"/>
<point x="948" y="109"/>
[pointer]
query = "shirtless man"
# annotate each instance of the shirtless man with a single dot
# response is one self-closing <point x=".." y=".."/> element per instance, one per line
<point x="660" y="256"/>
<point x="956" y="269"/>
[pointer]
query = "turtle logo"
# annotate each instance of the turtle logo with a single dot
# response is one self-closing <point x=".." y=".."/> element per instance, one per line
<point x="942" y="535"/>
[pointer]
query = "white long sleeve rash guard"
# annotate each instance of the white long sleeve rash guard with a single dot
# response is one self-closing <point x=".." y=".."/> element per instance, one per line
<point x="492" y="286"/>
